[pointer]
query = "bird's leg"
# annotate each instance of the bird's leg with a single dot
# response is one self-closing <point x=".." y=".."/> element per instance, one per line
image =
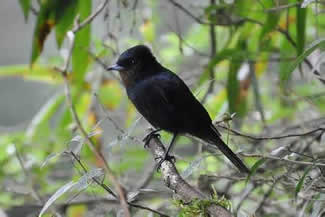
<point x="166" y="155"/>
<point x="148" y="137"/>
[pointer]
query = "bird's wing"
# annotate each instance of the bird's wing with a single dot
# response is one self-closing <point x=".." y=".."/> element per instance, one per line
<point x="167" y="103"/>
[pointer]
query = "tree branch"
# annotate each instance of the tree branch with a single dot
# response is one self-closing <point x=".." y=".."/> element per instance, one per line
<point x="176" y="183"/>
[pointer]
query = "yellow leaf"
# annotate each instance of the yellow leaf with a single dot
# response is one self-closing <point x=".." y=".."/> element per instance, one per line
<point x="148" y="30"/>
<point x="77" y="211"/>
<point x="260" y="67"/>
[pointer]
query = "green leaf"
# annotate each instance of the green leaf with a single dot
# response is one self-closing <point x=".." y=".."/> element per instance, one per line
<point x="38" y="73"/>
<point x="82" y="43"/>
<point x="254" y="168"/>
<point x="301" y="181"/>
<point x="83" y="182"/>
<point x="25" y="6"/>
<point x="286" y="74"/>
<point x="49" y="158"/>
<point x="65" y="13"/>
<point x="44" y="24"/>
<point x="301" y="29"/>
<point x="271" y="22"/>
<point x="55" y="13"/>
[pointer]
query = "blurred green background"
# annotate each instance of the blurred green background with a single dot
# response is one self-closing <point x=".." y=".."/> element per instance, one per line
<point x="256" y="65"/>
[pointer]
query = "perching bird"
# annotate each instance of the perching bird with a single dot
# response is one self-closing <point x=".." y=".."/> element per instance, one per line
<point x="166" y="102"/>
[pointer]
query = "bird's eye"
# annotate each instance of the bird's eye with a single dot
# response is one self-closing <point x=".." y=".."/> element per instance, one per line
<point x="132" y="61"/>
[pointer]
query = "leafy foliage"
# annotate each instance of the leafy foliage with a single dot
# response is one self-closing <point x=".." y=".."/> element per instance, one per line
<point x="25" y="6"/>
<point x="199" y="207"/>
<point x="265" y="74"/>
<point x="59" y="14"/>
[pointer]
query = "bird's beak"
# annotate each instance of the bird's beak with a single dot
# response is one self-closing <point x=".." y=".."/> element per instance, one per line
<point x="115" y="67"/>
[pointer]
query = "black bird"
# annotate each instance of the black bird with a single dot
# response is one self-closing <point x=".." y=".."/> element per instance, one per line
<point x="166" y="102"/>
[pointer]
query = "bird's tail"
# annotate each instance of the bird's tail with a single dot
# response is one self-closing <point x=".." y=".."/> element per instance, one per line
<point x="216" y="140"/>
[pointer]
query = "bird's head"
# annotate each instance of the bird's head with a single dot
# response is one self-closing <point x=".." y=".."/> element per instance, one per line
<point x="133" y="60"/>
<point x="134" y="64"/>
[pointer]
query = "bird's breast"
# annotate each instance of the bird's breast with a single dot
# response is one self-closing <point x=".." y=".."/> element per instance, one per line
<point x="126" y="79"/>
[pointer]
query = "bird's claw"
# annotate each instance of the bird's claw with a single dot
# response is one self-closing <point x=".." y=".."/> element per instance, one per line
<point x="148" y="137"/>
<point x="167" y="157"/>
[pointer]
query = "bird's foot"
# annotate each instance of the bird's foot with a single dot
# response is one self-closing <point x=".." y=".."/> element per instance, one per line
<point x="151" y="135"/>
<point x="166" y="157"/>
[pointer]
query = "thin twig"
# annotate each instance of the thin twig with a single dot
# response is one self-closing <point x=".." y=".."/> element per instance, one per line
<point x="246" y="19"/>
<point x="91" y="145"/>
<point x="266" y="196"/>
<point x="91" y="17"/>
<point x="248" y="190"/>
<point x="237" y="133"/>
<point x="102" y="64"/>
<point x="187" y="12"/>
<point x="283" y="7"/>
<point x="111" y="192"/>
<point x="283" y="159"/>
<point x="147" y="208"/>
<point x="76" y="158"/>
<point x="292" y="42"/>
<point x="33" y="190"/>
<point x="147" y="177"/>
